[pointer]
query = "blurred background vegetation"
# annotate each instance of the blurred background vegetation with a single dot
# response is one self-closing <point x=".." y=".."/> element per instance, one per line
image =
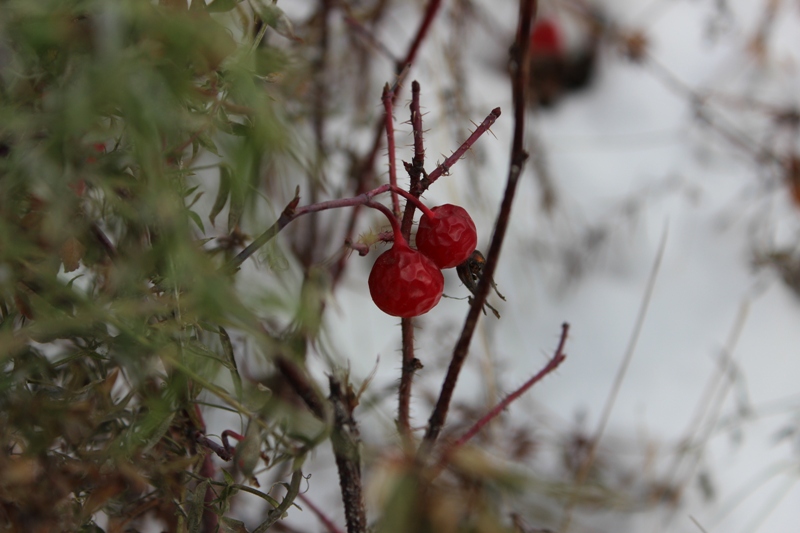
<point x="115" y="303"/>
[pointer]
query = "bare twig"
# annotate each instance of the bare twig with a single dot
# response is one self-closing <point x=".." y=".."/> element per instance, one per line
<point x="218" y="449"/>
<point x="299" y="383"/>
<point x="366" y="168"/>
<point x="519" y="82"/>
<point x="327" y="522"/>
<point x="354" y="23"/>
<point x="287" y="216"/>
<point x="291" y="212"/>
<point x="320" y="99"/>
<point x="388" y="97"/>
<point x="345" y="441"/>
<point x="410" y="363"/>
<point x="409" y="367"/>
<point x="416" y="125"/>
<point x="444" y="167"/>
<point x="552" y="364"/>
<point x="422" y="32"/>
<point x="210" y="519"/>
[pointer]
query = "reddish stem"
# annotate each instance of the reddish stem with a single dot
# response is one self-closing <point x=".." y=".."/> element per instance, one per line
<point x="410" y="363"/>
<point x="369" y="160"/>
<point x="414" y="200"/>
<point x="557" y="359"/>
<point x="388" y="96"/>
<point x="327" y="522"/>
<point x="443" y="168"/>
<point x="398" y="236"/>
<point x="291" y="212"/>
<point x="430" y="13"/>
<point x="232" y="434"/>
<point x="367" y="34"/>
<point x="224" y="452"/>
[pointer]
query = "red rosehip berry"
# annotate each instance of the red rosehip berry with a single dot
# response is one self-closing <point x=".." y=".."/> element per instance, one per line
<point x="405" y="283"/>
<point x="448" y="237"/>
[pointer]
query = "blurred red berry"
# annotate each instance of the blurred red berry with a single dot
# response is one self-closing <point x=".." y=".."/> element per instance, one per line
<point x="546" y="39"/>
<point x="449" y="238"/>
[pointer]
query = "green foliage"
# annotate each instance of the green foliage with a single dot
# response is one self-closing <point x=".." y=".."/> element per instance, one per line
<point x="113" y="310"/>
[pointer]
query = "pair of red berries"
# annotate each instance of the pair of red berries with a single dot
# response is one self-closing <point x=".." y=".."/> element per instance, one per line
<point x="405" y="282"/>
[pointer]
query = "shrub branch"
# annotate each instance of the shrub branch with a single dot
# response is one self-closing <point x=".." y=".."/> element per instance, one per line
<point x="518" y="65"/>
<point x="345" y="440"/>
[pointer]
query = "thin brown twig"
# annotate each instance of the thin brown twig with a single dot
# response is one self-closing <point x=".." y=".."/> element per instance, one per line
<point x="210" y="519"/>
<point x="410" y="364"/>
<point x="319" y="94"/>
<point x="223" y="453"/>
<point x="300" y="384"/>
<point x="104" y="241"/>
<point x="418" y="162"/>
<point x="519" y="80"/>
<point x="291" y="212"/>
<point x="558" y="357"/>
<point x="345" y="441"/>
<point x="354" y="23"/>
<point x="552" y="364"/>
<point x="695" y="440"/>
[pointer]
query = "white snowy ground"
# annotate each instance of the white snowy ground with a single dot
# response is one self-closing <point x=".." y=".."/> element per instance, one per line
<point x="632" y="164"/>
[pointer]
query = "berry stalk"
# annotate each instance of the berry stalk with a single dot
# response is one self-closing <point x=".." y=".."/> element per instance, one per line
<point x="387" y="105"/>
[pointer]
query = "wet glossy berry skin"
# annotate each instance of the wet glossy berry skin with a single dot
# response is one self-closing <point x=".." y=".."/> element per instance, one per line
<point x="405" y="283"/>
<point x="449" y="238"/>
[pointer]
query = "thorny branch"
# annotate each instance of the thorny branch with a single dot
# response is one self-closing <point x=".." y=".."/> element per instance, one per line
<point x="558" y="357"/>
<point x="366" y="168"/>
<point x="444" y="167"/>
<point x="345" y="441"/>
<point x="410" y="363"/>
<point x="552" y="364"/>
<point x="518" y="65"/>
<point x="388" y="98"/>
<point x="291" y="212"/>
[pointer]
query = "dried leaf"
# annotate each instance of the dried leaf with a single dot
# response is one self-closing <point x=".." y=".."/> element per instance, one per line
<point x="71" y="254"/>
